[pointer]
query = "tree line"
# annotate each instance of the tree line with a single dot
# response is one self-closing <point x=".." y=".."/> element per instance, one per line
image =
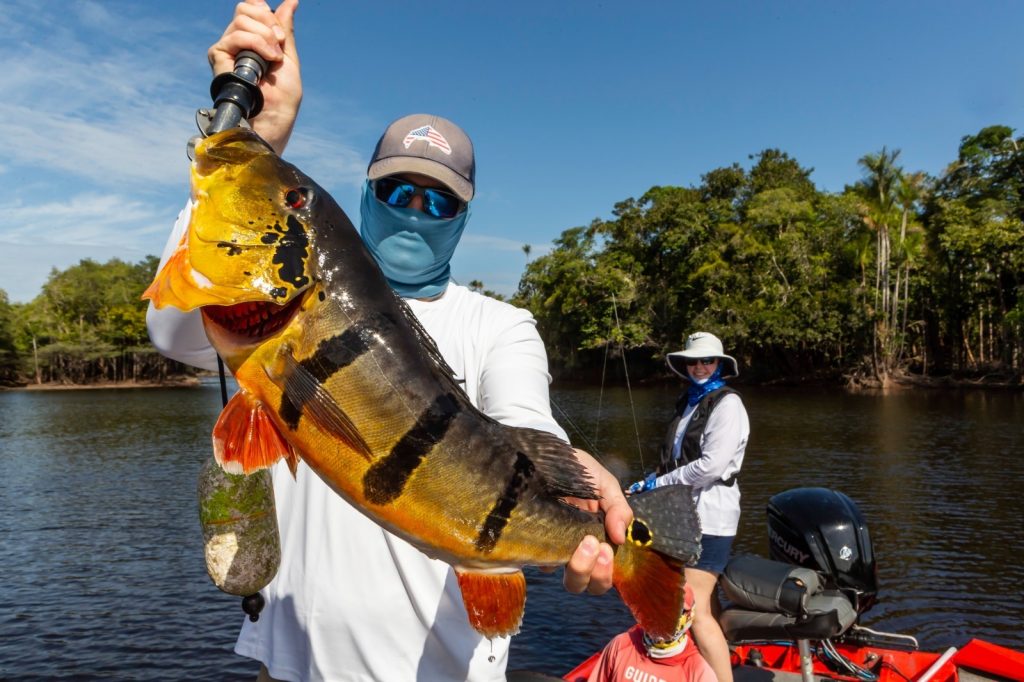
<point x="86" y="326"/>
<point x="899" y="274"/>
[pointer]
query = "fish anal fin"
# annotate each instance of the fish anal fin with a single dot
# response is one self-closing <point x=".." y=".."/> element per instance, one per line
<point x="494" y="601"/>
<point x="245" y="439"/>
<point x="663" y="537"/>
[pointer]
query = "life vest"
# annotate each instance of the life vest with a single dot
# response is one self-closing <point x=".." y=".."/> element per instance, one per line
<point x="689" y="449"/>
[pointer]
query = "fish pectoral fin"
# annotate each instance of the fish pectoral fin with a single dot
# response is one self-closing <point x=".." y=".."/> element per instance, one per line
<point x="309" y="397"/>
<point x="245" y="439"/>
<point x="494" y="601"/>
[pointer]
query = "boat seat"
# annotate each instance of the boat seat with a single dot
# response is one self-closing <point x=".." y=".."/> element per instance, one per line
<point x="774" y="600"/>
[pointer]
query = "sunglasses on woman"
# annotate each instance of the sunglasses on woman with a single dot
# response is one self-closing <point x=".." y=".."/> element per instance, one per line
<point x="692" y="362"/>
<point x="399" y="193"/>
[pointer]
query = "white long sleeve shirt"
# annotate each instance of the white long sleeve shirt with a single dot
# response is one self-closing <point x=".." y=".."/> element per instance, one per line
<point x="352" y="601"/>
<point x="722" y="447"/>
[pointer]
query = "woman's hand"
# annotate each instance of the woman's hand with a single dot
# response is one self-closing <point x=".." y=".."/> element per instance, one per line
<point x="590" y="568"/>
<point x="270" y="34"/>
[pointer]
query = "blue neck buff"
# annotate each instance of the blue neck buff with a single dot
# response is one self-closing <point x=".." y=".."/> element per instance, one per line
<point x="697" y="391"/>
<point x="412" y="248"/>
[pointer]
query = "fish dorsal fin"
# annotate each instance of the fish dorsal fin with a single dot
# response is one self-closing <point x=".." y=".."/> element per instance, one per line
<point x="494" y="601"/>
<point x="427" y="343"/>
<point x="310" y="398"/>
<point x="555" y="462"/>
<point x="245" y="439"/>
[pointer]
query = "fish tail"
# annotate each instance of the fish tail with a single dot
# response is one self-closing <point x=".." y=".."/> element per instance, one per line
<point x="663" y="537"/>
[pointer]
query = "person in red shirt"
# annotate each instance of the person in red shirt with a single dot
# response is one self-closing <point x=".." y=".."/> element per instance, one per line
<point x="633" y="656"/>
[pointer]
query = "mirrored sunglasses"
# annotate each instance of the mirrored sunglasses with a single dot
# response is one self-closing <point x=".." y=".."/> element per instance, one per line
<point x="692" y="362"/>
<point x="399" y="193"/>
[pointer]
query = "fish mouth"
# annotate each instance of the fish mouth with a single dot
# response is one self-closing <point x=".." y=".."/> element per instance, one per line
<point x="252" y="321"/>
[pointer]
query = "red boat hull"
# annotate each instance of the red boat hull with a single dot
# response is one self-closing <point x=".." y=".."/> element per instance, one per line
<point x="890" y="665"/>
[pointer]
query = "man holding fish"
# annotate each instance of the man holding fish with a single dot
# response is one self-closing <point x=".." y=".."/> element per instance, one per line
<point x="353" y="601"/>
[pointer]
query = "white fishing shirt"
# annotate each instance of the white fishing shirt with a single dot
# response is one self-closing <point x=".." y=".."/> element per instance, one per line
<point x="351" y="601"/>
<point x="722" y="446"/>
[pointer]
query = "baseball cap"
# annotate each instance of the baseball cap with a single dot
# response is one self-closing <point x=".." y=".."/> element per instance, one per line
<point x="429" y="145"/>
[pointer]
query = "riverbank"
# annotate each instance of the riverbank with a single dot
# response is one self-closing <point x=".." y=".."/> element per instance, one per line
<point x="176" y="382"/>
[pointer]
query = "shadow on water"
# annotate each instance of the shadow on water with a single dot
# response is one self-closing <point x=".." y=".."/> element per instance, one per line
<point x="102" y="553"/>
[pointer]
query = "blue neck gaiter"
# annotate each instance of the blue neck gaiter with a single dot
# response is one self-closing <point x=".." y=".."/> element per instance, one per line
<point x="698" y="391"/>
<point x="412" y="248"/>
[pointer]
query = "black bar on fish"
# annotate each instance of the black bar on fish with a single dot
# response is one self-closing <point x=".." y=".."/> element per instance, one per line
<point x="236" y="94"/>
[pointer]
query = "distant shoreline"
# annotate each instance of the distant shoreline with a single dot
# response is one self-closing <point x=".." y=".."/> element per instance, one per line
<point x="182" y="382"/>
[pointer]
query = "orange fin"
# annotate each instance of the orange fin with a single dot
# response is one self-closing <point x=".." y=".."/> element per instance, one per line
<point x="494" y="601"/>
<point x="174" y="276"/>
<point x="246" y="440"/>
<point x="648" y="574"/>
<point x="652" y="586"/>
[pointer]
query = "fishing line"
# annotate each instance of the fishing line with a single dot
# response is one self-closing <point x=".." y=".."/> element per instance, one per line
<point x="600" y="396"/>
<point x="586" y="441"/>
<point x="629" y="390"/>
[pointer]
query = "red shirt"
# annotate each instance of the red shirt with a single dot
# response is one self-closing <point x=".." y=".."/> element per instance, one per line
<point x="625" y="659"/>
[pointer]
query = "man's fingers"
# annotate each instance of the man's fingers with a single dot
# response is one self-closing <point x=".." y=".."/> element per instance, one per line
<point x="285" y="15"/>
<point x="590" y="568"/>
<point x="581" y="565"/>
<point x="601" y="578"/>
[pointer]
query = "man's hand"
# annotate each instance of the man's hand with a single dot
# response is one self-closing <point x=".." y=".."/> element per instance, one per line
<point x="270" y="34"/>
<point x="590" y="567"/>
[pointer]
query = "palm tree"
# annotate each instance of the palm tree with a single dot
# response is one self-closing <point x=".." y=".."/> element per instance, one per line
<point x="878" y="189"/>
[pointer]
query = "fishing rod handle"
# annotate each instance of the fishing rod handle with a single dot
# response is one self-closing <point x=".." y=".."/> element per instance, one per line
<point x="236" y="94"/>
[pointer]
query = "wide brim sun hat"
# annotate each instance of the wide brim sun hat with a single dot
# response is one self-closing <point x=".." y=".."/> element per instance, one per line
<point x="702" y="345"/>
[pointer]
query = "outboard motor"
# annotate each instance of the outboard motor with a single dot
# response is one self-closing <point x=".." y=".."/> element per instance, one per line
<point x="823" y="530"/>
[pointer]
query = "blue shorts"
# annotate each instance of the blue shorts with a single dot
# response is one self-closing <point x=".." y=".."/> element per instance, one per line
<point x="714" y="553"/>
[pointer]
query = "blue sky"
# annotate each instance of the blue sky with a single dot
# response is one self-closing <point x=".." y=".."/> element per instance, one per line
<point x="572" y="106"/>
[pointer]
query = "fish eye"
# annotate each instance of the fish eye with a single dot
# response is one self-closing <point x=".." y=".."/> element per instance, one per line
<point x="297" y="197"/>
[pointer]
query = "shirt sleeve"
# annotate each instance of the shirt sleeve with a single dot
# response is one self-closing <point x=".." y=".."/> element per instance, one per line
<point x="514" y="379"/>
<point x="725" y="435"/>
<point x="604" y="671"/>
<point x="177" y="335"/>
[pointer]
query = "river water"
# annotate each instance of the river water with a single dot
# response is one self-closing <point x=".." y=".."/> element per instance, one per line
<point x="101" y="555"/>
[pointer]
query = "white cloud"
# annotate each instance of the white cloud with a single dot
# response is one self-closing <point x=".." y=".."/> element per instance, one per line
<point x="84" y="220"/>
<point x="503" y="244"/>
<point x="99" y="102"/>
<point x="23" y="277"/>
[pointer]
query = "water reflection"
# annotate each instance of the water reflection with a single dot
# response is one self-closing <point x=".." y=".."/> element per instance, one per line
<point x="102" y="555"/>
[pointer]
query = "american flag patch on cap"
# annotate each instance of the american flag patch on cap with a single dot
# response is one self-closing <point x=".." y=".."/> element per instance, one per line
<point x="428" y="135"/>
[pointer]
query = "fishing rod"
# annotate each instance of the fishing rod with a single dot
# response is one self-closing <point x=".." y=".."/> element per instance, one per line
<point x="236" y="96"/>
<point x="236" y="99"/>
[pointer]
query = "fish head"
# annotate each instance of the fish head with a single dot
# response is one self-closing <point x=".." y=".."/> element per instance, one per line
<point x="247" y="258"/>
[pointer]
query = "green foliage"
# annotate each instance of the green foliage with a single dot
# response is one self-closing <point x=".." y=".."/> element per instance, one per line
<point x="8" y="352"/>
<point x="87" y="324"/>
<point x="797" y="280"/>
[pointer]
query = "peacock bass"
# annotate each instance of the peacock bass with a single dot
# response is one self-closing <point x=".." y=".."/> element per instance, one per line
<point x="334" y="370"/>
